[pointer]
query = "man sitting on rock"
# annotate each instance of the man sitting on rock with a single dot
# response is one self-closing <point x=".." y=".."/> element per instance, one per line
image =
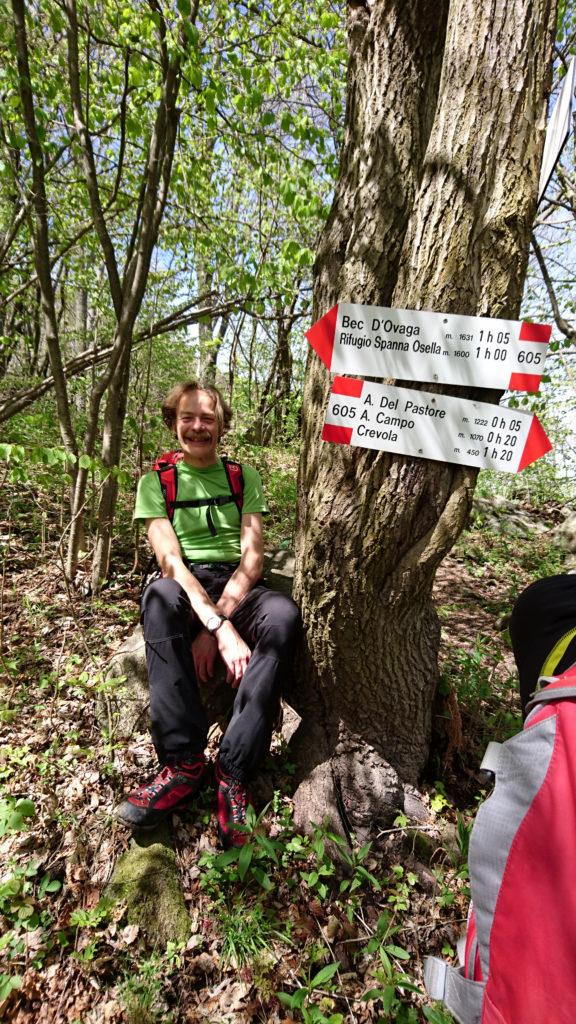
<point x="211" y="601"/>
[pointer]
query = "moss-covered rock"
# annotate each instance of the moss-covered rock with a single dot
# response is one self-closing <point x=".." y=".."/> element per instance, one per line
<point x="147" y="880"/>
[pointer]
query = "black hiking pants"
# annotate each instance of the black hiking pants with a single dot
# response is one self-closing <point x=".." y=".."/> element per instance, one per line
<point x="267" y="621"/>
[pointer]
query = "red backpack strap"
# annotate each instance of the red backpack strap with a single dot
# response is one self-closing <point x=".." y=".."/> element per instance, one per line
<point x="167" y="470"/>
<point x="235" y="478"/>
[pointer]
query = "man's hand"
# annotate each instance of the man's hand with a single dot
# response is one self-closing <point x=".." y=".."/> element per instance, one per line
<point x="234" y="652"/>
<point x="204" y="651"/>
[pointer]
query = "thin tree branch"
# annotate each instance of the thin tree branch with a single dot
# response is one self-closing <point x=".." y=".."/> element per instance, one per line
<point x="88" y="160"/>
<point x="96" y="355"/>
<point x="567" y="330"/>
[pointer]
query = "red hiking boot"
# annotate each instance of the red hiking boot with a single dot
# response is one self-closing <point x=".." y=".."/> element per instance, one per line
<point x="233" y="799"/>
<point x="173" y="789"/>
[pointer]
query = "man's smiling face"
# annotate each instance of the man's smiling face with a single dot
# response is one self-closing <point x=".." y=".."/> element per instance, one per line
<point x="197" y="428"/>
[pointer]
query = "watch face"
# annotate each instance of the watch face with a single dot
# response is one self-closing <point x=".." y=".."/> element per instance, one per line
<point x="213" y="622"/>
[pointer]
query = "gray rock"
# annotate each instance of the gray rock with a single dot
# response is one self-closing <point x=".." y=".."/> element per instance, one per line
<point x="566" y="532"/>
<point x="504" y="516"/>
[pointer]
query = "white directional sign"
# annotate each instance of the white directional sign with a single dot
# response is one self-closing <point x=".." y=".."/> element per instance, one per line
<point x="375" y="341"/>
<point x="411" y="422"/>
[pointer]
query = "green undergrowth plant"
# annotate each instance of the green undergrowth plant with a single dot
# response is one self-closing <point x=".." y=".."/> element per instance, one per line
<point x="26" y="894"/>
<point x="304" y="861"/>
<point x="16" y="813"/>
<point x="300" y="1001"/>
<point x="485" y="690"/>
<point x="438" y="1015"/>
<point x="487" y="551"/>
<point x="141" y="993"/>
<point x="248" y="931"/>
<point x="389" y="972"/>
<point x="252" y="888"/>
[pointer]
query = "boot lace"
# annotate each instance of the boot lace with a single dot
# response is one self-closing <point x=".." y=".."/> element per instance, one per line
<point x="238" y="796"/>
<point x="191" y="771"/>
<point x="154" y="787"/>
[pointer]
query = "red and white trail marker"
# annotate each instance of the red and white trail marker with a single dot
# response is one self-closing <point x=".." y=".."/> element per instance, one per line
<point x="411" y="422"/>
<point x="374" y="341"/>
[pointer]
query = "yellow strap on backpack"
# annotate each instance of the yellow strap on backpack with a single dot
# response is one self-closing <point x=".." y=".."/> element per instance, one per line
<point x="557" y="653"/>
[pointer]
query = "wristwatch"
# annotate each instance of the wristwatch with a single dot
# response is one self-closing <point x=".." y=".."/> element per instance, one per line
<point x="214" y="622"/>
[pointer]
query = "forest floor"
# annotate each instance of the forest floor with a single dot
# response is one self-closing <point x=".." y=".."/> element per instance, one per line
<point x="285" y="934"/>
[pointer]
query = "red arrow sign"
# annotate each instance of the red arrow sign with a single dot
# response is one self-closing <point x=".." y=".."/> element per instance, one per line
<point x="411" y="422"/>
<point x="448" y="348"/>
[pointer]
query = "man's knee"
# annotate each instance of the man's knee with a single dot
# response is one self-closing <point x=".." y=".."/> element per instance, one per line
<point x="281" y="617"/>
<point x="164" y="603"/>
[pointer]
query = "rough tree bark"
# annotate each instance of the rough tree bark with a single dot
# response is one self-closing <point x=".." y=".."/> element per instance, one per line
<point x="433" y="210"/>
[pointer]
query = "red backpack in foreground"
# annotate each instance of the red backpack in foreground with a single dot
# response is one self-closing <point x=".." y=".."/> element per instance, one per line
<point x="519" y="959"/>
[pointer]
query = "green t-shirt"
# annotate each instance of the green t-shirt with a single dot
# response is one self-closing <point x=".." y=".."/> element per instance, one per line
<point x="191" y="524"/>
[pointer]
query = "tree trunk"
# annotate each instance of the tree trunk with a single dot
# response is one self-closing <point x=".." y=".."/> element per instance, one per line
<point x="433" y="210"/>
<point x="112" y="433"/>
<point x="41" y="243"/>
<point x="273" y="403"/>
<point x="283" y="376"/>
<point x="212" y="351"/>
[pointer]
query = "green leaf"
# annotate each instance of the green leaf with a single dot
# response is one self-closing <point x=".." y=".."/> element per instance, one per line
<point x="192" y="32"/>
<point x="324" y="975"/>
<point x="195" y="76"/>
<point x="8" y="982"/>
<point x="224" y="859"/>
<point x="262" y="878"/>
<point x="185" y="8"/>
<point x="13" y="814"/>
<point x="385" y="959"/>
<point x="398" y="952"/>
<point x="294" y="1000"/>
<point x="369" y="878"/>
<point x="268" y="846"/>
<point x="329" y="20"/>
<point x="255" y="99"/>
<point x="246" y="854"/>
<point x="388" y="998"/>
<point x="373" y="993"/>
<point x="436" y="1016"/>
<point x="25" y="808"/>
